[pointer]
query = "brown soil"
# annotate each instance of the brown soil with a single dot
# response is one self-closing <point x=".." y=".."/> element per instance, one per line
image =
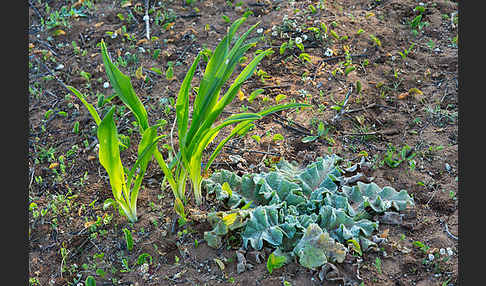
<point x="381" y="115"/>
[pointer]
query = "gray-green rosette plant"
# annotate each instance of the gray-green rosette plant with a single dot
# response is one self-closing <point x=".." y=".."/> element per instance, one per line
<point x="308" y="213"/>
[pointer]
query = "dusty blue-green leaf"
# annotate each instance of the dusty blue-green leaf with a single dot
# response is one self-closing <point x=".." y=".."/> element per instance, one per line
<point x="316" y="248"/>
<point x="308" y="139"/>
<point x="243" y="189"/>
<point x="276" y="189"/>
<point x="263" y="225"/>
<point x="342" y="227"/>
<point x="320" y="174"/>
<point x="378" y="199"/>
<point x="213" y="240"/>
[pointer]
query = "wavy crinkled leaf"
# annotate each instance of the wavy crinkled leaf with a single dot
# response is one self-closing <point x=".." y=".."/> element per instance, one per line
<point x="243" y="189"/>
<point x="339" y="202"/>
<point x="342" y="227"/>
<point x="276" y="189"/>
<point x="222" y="222"/>
<point x="263" y="225"/>
<point x="364" y="195"/>
<point x="316" y="248"/>
<point x="320" y="174"/>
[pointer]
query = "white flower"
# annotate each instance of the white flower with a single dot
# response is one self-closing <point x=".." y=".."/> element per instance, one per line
<point x="274" y="33"/>
<point x="260" y="30"/>
<point x="106" y="85"/>
<point x="304" y="37"/>
<point x="298" y="40"/>
<point x="328" y="52"/>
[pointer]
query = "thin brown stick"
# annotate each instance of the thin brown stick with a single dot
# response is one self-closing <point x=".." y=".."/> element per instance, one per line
<point x="449" y="233"/>
<point x="275" y="86"/>
<point x="250" y="151"/>
<point x="384" y="132"/>
<point x="343" y="57"/>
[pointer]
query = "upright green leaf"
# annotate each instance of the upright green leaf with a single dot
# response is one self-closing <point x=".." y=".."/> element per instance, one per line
<point x="88" y="106"/>
<point x="182" y="102"/>
<point x="109" y="154"/>
<point x="124" y="89"/>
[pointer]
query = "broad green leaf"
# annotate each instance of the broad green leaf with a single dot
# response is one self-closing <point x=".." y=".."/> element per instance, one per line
<point x="90" y="281"/>
<point x="243" y="189"/>
<point x="109" y="154"/>
<point x="123" y="87"/>
<point x="275" y="262"/>
<point x="316" y="248"/>
<point x="263" y="225"/>
<point x="378" y="199"/>
<point x="320" y="174"/>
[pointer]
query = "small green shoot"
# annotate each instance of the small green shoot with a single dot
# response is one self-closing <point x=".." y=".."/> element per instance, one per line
<point x="378" y="265"/>
<point x="128" y="239"/>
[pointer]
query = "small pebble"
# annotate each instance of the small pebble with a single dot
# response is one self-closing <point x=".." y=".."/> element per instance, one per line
<point x="431" y="257"/>
<point x="449" y="251"/>
<point x="442" y="251"/>
<point x="447" y="167"/>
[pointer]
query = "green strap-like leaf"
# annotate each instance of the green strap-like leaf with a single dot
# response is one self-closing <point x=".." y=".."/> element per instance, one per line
<point x="244" y="124"/>
<point x="90" y="107"/>
<point x="109" y="154"/>
<point x="201" y="143"/>
<point x="182" y="103"/>
<point x="218" y="70"/>
<point x="142" y="162"/>
<point x="124" y="89"/>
